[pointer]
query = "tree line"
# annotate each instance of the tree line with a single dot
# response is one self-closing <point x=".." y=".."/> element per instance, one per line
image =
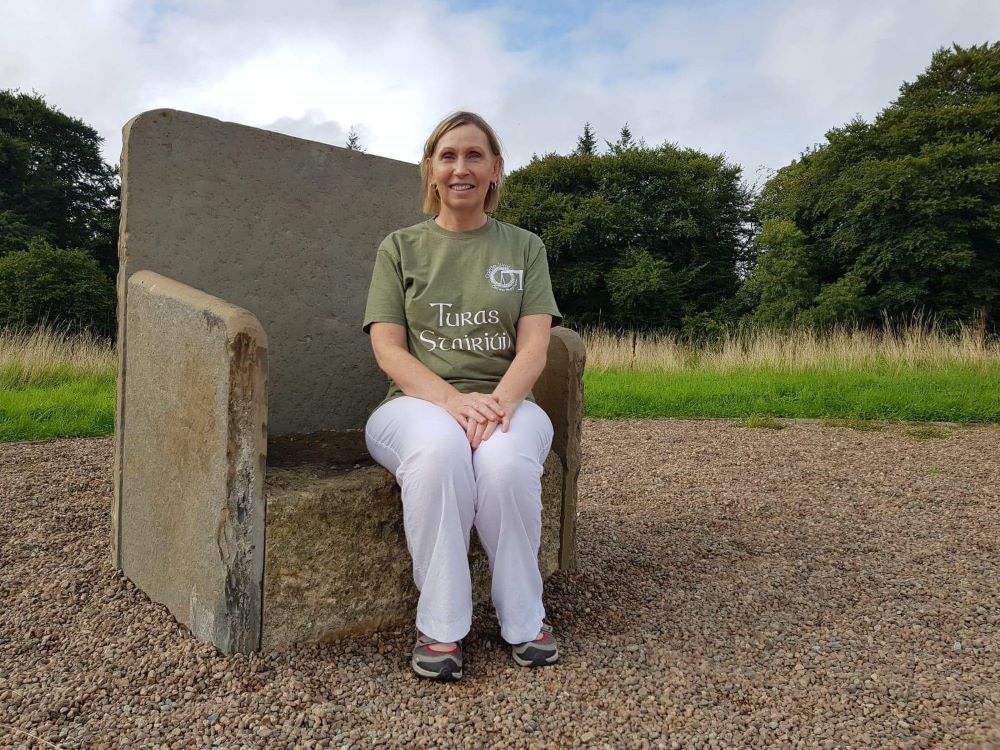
<point x="59" y="209"/>
<point x="882" y="220"/>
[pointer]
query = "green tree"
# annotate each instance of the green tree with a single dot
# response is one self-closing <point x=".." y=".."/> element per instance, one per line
<point x="63" y="287"/>
<point x="54" y="183"/>
<point x="782" y="285"/>
<point x="639" y="237"/>
<point x="901" y="214"/>
<point x="586" y="144"/>
<point x="354" y="140"/>
<point x="625" y="141"/>
<point x="644" y="289"/>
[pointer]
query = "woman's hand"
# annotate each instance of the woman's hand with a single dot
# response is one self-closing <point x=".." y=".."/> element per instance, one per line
<point x="508" y="406"/>
<point x="480" y="433"/>
<point x="475" y="412"/>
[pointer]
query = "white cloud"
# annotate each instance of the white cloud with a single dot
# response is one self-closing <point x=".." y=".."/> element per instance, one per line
<point x="759" y="82"/>
<point x="312" y="126"/>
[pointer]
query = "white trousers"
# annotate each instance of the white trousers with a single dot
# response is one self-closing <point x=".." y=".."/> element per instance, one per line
<point x="446" y="488"/>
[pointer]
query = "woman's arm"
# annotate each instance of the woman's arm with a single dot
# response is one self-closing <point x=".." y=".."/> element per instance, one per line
<point x="415" y="379"/>
<point x="409" y="373"/>
<point x="532" y="347"/>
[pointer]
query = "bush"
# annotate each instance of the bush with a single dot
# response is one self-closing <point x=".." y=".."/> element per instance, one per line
<point x="62" y="287"/>
<point x="704" y="329"/>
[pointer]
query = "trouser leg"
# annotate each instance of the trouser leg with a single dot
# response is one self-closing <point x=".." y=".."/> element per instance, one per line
<point x="508" y="470"/>
<point x="430" y="456"/>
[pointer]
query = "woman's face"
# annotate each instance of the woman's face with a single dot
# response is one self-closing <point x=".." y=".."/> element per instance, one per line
<point x="462" y="167"/>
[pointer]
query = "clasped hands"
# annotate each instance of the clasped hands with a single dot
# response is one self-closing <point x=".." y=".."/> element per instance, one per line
<point x="481" y="413"/>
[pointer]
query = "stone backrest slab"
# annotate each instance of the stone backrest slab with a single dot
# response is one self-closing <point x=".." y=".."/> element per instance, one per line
<point x="283" y="227"/>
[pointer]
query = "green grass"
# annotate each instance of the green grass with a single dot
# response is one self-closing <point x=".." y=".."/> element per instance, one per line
<point x="854" y="424"/>
<point x="759" y="421"/>
<point x="63" y="402"/>
<point x="56" y="403"/>
<point x="955" y="394"/>
<point x="927" y="433"/>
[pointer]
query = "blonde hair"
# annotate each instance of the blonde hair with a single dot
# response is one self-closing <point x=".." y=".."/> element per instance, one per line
<point x="431" y="201"/>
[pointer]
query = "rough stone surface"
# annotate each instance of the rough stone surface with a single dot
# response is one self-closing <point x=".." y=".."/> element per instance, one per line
<point x="337" y="562"/>
<point x="188" y="516"/>
<point x="283" y="227"/>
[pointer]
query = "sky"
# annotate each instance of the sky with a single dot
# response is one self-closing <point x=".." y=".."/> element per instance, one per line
<point x="756" y="81"/>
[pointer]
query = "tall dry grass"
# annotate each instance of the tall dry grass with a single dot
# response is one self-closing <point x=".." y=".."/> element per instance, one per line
<point x="913" y="345"/>
<point x="26" y="355"/>
<point x="30" y="355"/>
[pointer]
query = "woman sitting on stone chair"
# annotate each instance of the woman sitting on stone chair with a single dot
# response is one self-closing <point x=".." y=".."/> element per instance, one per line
<point x="459" y="312"/>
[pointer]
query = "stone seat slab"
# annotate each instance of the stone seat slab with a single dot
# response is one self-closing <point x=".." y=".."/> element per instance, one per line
<point x="336" y="560"/>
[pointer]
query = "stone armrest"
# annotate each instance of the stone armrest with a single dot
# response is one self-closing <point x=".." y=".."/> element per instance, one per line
<point x="190" y="448"/>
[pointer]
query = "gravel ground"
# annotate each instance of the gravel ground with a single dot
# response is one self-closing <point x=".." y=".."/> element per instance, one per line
<point x="808" y="587"/>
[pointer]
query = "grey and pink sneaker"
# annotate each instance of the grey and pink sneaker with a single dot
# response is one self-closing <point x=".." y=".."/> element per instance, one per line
<point x="539" y="652"/>
<point x="437" y="665"/>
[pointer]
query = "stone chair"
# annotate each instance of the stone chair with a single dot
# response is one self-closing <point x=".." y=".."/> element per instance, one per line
<point x="245" y="499"/>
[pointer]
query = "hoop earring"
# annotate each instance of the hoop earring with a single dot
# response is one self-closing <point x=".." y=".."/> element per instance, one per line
<point x="493" y="186"/>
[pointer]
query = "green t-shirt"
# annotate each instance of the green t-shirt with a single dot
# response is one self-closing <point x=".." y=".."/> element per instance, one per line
<point x="460" y="295"/>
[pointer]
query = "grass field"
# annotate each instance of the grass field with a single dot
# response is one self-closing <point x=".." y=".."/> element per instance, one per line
<point x="947" y="395"/>
<point x="914" y="374"/>
<point x="52" y="385"/>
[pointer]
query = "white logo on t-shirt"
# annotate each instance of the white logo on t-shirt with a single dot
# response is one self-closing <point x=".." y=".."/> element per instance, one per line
<point x="504" y="279"/>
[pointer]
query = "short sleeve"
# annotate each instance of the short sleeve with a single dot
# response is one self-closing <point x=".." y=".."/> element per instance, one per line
<point x="386" y="301"/>
<point x="538" y="297"/>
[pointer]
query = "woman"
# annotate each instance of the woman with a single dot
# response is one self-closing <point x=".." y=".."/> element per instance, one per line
<point x="459" y="312"/>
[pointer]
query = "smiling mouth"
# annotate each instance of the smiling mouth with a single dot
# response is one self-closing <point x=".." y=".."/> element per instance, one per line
<point x="461" y="188"/>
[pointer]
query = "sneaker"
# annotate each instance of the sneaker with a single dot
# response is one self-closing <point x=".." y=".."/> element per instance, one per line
<point x="537" y="653"/>
<point x="437" y="665"/>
